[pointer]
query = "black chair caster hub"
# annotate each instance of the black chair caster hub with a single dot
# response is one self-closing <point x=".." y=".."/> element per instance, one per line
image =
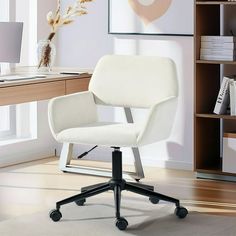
<point x="181" y="212"/>
<point x="80" y="202"/>
<point x="55" y="215"/>
<point x="121" y="223"/>
<point x="154" y="200"/>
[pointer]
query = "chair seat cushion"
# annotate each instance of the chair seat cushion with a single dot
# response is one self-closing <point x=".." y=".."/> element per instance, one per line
<point x="103" y="134"/>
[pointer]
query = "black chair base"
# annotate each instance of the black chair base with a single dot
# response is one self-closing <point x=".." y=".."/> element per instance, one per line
<point x="117" y="184"/>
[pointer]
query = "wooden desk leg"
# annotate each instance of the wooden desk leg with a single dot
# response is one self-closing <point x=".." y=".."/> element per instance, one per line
<point x="66" y="156"/>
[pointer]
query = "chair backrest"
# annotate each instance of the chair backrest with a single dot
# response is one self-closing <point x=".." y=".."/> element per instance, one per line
<point x="133" y="81"/>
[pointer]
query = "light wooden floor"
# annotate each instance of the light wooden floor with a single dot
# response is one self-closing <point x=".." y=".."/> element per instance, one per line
<point x="36" y="186"/>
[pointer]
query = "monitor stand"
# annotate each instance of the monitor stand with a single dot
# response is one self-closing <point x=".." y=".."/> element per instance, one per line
<point x="5" y="68"/>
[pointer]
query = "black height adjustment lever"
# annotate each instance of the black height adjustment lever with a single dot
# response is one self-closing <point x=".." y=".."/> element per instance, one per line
<point x="86" y="153"/>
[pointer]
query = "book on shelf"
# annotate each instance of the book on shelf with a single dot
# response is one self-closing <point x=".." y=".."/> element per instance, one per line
<point x="218" y="57"/>
<point x="222" y="101"/>
<point x="232" y="92"/>
<point x="215" y="45"/>
<point x="220" y="52"/>
<point x="218" y="39"/>
<point x="218" y="48"/>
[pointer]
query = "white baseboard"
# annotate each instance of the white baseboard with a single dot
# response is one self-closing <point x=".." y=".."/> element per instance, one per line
<point x="102" y="154"/>
<point x="39" y="152"/>
<point x="13" y="157"/>
<point x="169" y="164"/>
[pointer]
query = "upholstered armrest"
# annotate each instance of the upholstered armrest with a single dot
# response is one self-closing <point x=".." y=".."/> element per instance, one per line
<point x="159" y="122"/>
<point x="71" y="111"/>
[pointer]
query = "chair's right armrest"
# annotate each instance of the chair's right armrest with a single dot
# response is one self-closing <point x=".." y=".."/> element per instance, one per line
<point x="159" y="122"/>
<point x="71" y="111"/>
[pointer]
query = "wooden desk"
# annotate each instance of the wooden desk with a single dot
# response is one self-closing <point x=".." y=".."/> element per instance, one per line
<point x="21" y="91"/>
<point x="29" y="90"/>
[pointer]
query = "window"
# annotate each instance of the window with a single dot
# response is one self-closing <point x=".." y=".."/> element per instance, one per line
<point x="7" y="113"/>
<point x="20" y="121"/>
<point x="7" y="121"/>
<point x="4" y="10"/>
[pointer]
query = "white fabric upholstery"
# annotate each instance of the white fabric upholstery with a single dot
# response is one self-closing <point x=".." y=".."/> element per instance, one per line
<point x="103" y="134"/>
<point x="133" y="81"/>
<point x="159" y="122"/>
<point x="71" y="111"/>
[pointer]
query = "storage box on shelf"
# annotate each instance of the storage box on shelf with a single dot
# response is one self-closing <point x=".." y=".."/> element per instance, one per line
<point x="229" y="153"/>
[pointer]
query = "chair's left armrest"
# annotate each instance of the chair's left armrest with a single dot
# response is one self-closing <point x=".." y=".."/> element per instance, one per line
<point x="71" y="111"/>
<point x="159" y="122"/>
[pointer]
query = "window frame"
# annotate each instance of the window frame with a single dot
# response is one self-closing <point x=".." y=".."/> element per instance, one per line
<point x="5" y="134"/>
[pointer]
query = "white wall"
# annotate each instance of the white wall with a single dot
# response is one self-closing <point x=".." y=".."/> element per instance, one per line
<point x="85" y="41"/>
<point x="178" y="148"/>
<point x="44" y="6"/>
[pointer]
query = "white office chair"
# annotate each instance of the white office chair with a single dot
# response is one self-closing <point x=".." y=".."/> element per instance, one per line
<point x="127" y="81"/>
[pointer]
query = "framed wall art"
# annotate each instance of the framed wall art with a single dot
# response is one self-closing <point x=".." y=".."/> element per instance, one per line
<point x="154" y="17"/>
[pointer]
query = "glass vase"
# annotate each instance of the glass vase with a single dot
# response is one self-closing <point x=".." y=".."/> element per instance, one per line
<point x="46" y="51"/>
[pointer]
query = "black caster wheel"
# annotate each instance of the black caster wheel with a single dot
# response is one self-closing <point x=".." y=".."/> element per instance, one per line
<point x="121" y="223"/>
<point x="55" y="215"/>
<point x="80" y="202"/>
<point x="154" y="200"/>
<point x="181" y="212"/>
<point x="137" y="180"/>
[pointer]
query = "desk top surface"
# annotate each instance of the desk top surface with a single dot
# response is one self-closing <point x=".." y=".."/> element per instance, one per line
<point x="54" y="75"/>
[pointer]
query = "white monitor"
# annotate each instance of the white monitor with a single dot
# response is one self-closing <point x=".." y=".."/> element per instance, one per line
<point x="10" y="41"/>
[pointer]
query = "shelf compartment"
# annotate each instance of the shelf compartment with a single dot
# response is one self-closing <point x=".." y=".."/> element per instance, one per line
<point x="215" y="3"/>
<point x="216" y="62"/>
<point x="208" y="23"/>
<point x="230" y="126"/>
<point x="215" y="116"/>
<point x="214" y="168"/>
<point x="207" y="143"/>
<point x="217" y="170"/>
<point x="211" y="170"/>
<point x="207" y="85"/>
<point x="230" y="135"/>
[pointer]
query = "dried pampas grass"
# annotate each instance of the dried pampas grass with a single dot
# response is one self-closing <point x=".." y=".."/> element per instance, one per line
<point x="57" y="20"/>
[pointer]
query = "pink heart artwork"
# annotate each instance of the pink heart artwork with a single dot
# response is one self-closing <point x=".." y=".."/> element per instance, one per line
<point x="150" y="10"/>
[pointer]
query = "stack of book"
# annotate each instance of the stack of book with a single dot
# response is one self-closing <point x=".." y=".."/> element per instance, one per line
<point x="220" y="48"/>
<point x="226" y="97"/>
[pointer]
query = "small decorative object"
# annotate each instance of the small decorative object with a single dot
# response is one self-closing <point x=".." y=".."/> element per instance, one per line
<point x="46" y="49"/>
<point x="46" y="55"/>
